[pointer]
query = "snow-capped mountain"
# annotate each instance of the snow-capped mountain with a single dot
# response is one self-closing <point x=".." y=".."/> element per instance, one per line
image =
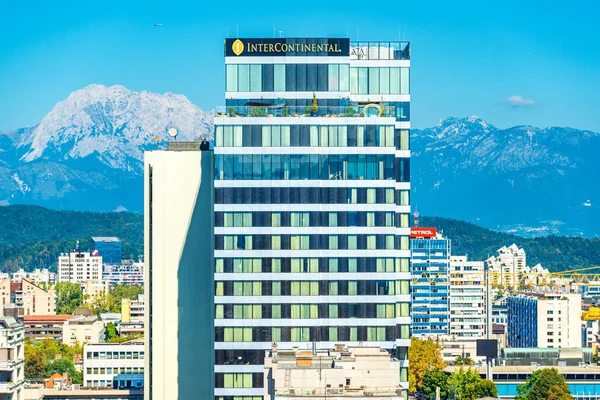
<point x="87" y="153"/>
<point x="468" y="169"/>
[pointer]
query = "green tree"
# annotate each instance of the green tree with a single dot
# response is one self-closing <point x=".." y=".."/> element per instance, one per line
<point x="463" y="384"/>
<point x="423" y="355"/>
<point x="559" y="392"/>
<point x="433" y="379"/>
<point x="485" y="388"/>
<point x="125" y="338"/>
<point x="120" y="292"/>
<point x="111" y="331"/>
<point x="68" y="297"/>
<point x="314" y="107"/>
<point x="101" y="303"/>
<point x="35" y="363"/>
<point x="63" y="365"/>
<point x="538" y="385"/>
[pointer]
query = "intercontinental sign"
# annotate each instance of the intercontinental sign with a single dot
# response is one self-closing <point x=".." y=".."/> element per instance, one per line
<point x="287" y="47"/>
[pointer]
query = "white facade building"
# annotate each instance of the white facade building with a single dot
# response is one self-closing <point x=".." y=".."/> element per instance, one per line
<point x="124" y="274"/>
<point x="114" y="364"/>
<point x="12" y="359"/>
<point x="467" y="298"/>
<point x="79" y="267"/>
<point x="544" y="320"/>
<point x="361" y="372"/>
<point x="81" y="329"/>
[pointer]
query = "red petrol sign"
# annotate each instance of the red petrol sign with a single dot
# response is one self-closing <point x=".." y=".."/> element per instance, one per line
<point x="422" y="232"/>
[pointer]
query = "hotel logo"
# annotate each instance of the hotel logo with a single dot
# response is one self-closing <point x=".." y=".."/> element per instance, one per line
<point x="237" y="47"/>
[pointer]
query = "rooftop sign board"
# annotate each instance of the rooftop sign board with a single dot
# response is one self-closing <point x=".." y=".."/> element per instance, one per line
<point x="287" y="47"/>
<point x="422" y="232"/>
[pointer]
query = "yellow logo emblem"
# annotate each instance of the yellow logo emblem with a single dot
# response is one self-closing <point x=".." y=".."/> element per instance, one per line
<point x="237" y="47"/>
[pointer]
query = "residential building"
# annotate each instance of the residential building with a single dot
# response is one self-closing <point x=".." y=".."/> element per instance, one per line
<point x="12" y="359"/>
<point x="37" y="276"/>
<point x="40" y="327"/>
<point x="37" y="392"/>
<point x="26" y="295"/>
<point x="467" y="298"/>
<point x="507" y="266"/>
<point x="109" y="248"/>
<point x="124" y="274"/>
<point x="106" y="364"/>
<point x="311" y="202"/>
<point x="544" y="320"/>
<point x="79" y="267"/>
<point x="133" y="310"/>
<point x="95" y="289"/>
<point x="179" y="286"/>
<point x="430" y="288"/>
<point x="362" y="372"/>
<point x="83" y="329"/>
<point x="500" y="310"/>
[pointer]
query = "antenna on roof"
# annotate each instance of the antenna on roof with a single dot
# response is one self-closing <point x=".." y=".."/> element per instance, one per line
<point x="280" y="34"/>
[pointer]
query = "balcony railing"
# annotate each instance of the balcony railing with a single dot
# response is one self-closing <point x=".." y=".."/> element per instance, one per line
<point x="7" y="387"/>
<point x="370" y="110"/>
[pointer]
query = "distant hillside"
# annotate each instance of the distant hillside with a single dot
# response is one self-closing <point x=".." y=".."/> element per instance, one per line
<point x="557" y="253"/>
<point x="33" y="237"/>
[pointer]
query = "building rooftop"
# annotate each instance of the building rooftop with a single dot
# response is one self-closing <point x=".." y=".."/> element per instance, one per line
<point x="8" y="322"/>
<point x="83" y="318"/>
<point x="45" y="318"/>
<point x="523" y="369"/>
<point x="105" y="239"/>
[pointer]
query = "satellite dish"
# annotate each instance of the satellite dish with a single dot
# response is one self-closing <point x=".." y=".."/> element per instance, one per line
<point x="172" y="132"/>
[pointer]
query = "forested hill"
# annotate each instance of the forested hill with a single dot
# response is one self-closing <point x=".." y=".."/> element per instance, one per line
<point x="557" y="253"/>
<point x="33" y="237"/>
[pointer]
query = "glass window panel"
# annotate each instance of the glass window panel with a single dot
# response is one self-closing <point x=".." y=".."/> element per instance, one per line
<point x="276" y="311"/>
<point x="360" y="136"/>
<point x="344" y="78"/>
<point x="275" y="334"/>
<point x="404" y="81"/>
<point x="333" y="288"/>
<point x="404" y="197"/>
<point x="333" y="138"/>
<point x="394" y="80"/>
<point x="389" y="242"/>
<point x="352" y="265"/>
<point x="333" y="333"/>
<point x="404" y="243"/>
<point x="404" y="139"/>
<point x="276" y="265"/>
<point x="314" y="136"/>
<point x="324" y="136"/>
<point x="243" y="77"/>
<point x="232" y="78"/>
<point x="279" y="77"/>
<point x="227" y="136"/>
<point x="266" y="136"/>
<point x="371" y="242"/>
<point x="219" y="136"/>
<point x="333" y="242"/>
<point x="276" y="136"/>
<point x="285" y="136"/>
<point x="334" y="77"/>
<point x="384" y="80"/>
<point x="255" y="77"/>
<point x="353" y="334"/>
<point x="333" y="311"/>
<point x="237" y="136"/>
<point x="353" y="80"/>
<point x="352" y="242"/>
<point x="373" y="80"/>
<point x="333" y="265"/>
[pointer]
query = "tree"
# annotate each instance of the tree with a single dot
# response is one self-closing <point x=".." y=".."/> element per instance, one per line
<point x="315" y="108"/>
<point x="35" y="363"/>
<point x="463" y="384"/>
<point x="111" y="331"/>
<point x="433" y="379"/>
<point x="120" y="292"/>
<point x="423" y="355"/>
<point x="539" y="384"/>
<point x="486" y="388"/>
<point x="68" y="297"/>
<point x="558" y="392"/>
<point x="63" y="365"/>
<point x="102" y="302"/>
<point x="464" y="361"/>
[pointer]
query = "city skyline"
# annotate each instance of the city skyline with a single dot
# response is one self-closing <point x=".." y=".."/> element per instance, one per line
<point x="508" y="66"/>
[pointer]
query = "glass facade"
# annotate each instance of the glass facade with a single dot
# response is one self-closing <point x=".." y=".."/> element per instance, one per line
<point x="430" y="288"/>
<point x="332" y="252"/>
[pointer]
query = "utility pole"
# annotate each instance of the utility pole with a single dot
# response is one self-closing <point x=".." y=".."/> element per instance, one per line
<point x="488" y="333"/>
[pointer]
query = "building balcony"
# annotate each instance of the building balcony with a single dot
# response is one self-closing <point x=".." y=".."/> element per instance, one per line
<point x="8" y="387"/>
<point x="9" y="365"/>
<point x="374" y="109"/>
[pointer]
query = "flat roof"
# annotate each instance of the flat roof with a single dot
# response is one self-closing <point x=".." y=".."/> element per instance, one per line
<point x="105" y="239"/>
<point x="32" y="318"/>
<point x="591" y="369"/>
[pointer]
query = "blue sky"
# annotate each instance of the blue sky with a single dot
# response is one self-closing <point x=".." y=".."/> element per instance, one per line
<point x="468" y="57"/>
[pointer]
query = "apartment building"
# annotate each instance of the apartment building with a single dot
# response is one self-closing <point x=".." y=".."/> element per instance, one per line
<point x="124" y="274"/>
<point x="544" y="320"/>
<point x="467" y="298"/>
<point x="79" y="267"/>
<point x="133" y="310"/>
<point x="40" y="327"/>
<point x="30" y="298"/>
<point x="12" y="359"/>
<point x="114" y="365"/>
<point x="357" y="372"/>
<point x="83" y="329"/>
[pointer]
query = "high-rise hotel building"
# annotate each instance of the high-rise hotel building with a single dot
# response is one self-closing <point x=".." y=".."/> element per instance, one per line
<point x="312" y="203"/>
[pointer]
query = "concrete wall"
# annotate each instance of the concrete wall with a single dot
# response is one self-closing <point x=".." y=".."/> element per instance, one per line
<point x="179" y="275"/>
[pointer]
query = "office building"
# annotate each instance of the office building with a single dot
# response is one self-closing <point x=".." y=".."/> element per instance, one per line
<point x="467" y="298"/>
<point x="311" y="202"/>
<point x="79" y="267"/>
<point x="544" y="320"/>
<point x="178" y="275"/>
<point x="430" y="288"/>
<point x="109" y="248"/>
<point x="83" y="329"/>
<point x="114" y="365"/>
<point x="362" y="372"/>
<point x="124" y="274"/>
<point x="40" y="327"/>
<point x="12" y="359"/>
